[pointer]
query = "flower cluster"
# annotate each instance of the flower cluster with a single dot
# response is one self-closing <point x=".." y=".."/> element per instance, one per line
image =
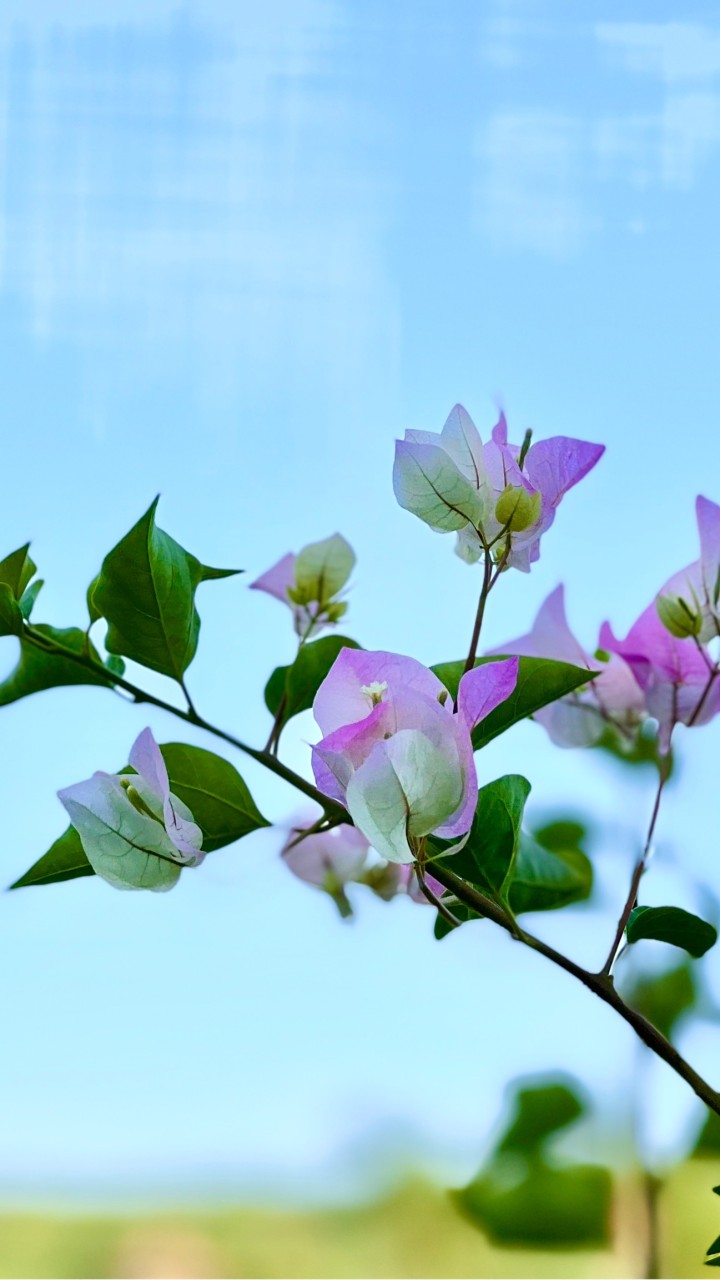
<point x="498" y="497"/>
<point x="396" y="752"/>
<point x="663" y="668"/>
<point x="332" y="859"/>
<point x="310" y="583"/>
<point x="135" y="833"/>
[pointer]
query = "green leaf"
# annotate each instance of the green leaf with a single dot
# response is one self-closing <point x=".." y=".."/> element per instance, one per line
<point x="11" y="619"/>
<point x="521" y="1198"/>
<point x="540" y="682"/>
<point x="146" y="592"/>
<point x="299" y="682"/>
<point x="546" y="1208"/>
<point x="38" y="670"/>
<point x="488" y="855"/>
<point x="544" y="881"/>
<point x="64" y="860"/>
<point x="539" y="1111"/>
<point x="664" y="999"/>
<point x="29" y="596"/>
<point x="561" y="834"/>
<point x="672" y="924"/>
<point x="17" y="569"/>
<point x="214" y="793"/>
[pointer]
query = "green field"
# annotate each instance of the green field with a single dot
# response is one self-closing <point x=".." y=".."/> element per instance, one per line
<point x="413" y="1233"/>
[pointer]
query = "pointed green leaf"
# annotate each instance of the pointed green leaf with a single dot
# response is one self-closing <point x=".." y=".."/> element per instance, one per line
<point x="17" y="569"/>
<point x="11" y="619"/>
<point x="64" y="860"/>
<point x="214" y="793"/>
<point x="672" y="924"/>
<point x="146" y="592"/>
<point x="544" y="881"/>
<point x="38" y="670"/>
<point x="488" y="855"/>
<point x="29" y="596"/>
<point x="715" y="1247"/>
<point x="299" y="682"/>
<point x="540" y="682"/>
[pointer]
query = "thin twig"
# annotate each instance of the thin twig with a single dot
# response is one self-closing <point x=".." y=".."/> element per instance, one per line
<point x="600" y="984"/>
<point x="631" y="900"/>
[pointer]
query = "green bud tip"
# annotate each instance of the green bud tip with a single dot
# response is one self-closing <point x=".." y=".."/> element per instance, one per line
<point x="517" y="509"/>
<point x="138" y="803"/>
<point x="524" y="448"/>
<point x="678" y="617"/>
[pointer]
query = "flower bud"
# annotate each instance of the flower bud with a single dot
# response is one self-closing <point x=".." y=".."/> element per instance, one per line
<point x="678" y="617"/>
<point x="517" y="509"/>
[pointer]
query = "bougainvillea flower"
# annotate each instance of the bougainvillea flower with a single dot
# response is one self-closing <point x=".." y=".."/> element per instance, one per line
<point x="613" y="697"/>
<point x="395" y="752"/>
<point x="488" y="493"/>
<point x="309" y="583"/>
<point x="328" y="859"/>
<point x="698" y="586"/>
<point x="136" y="834"/>
<point x="674" y="674"/>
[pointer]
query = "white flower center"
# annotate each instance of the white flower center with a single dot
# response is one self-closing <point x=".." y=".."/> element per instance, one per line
<point x="374" y="691"/>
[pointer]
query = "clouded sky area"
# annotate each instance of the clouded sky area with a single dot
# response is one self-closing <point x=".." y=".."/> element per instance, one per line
<point x="242" y="248"/>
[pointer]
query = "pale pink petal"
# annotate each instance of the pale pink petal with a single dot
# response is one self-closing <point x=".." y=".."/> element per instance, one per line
<point x="146" y="758"/>
<point x="409" y="880"/>
<point x="276" y="580"/>
<point x="550" y="636"/>
<point x="341" y="852"/>
<point x="499" y="431"/>
<point x="483" y="688"/>
<point x="572" y="721"/>
<point x="708" y="518"/>
<point x="184" y="833"/>
<point x="343" y="699"/>
<point x="672" y="673"/>
<point x="555" y="465"/>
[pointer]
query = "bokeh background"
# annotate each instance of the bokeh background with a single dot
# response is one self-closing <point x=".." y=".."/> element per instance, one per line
<point x="242" y="247"/>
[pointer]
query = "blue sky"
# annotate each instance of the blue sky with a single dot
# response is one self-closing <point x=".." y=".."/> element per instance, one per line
<point x="241" y="249"/>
